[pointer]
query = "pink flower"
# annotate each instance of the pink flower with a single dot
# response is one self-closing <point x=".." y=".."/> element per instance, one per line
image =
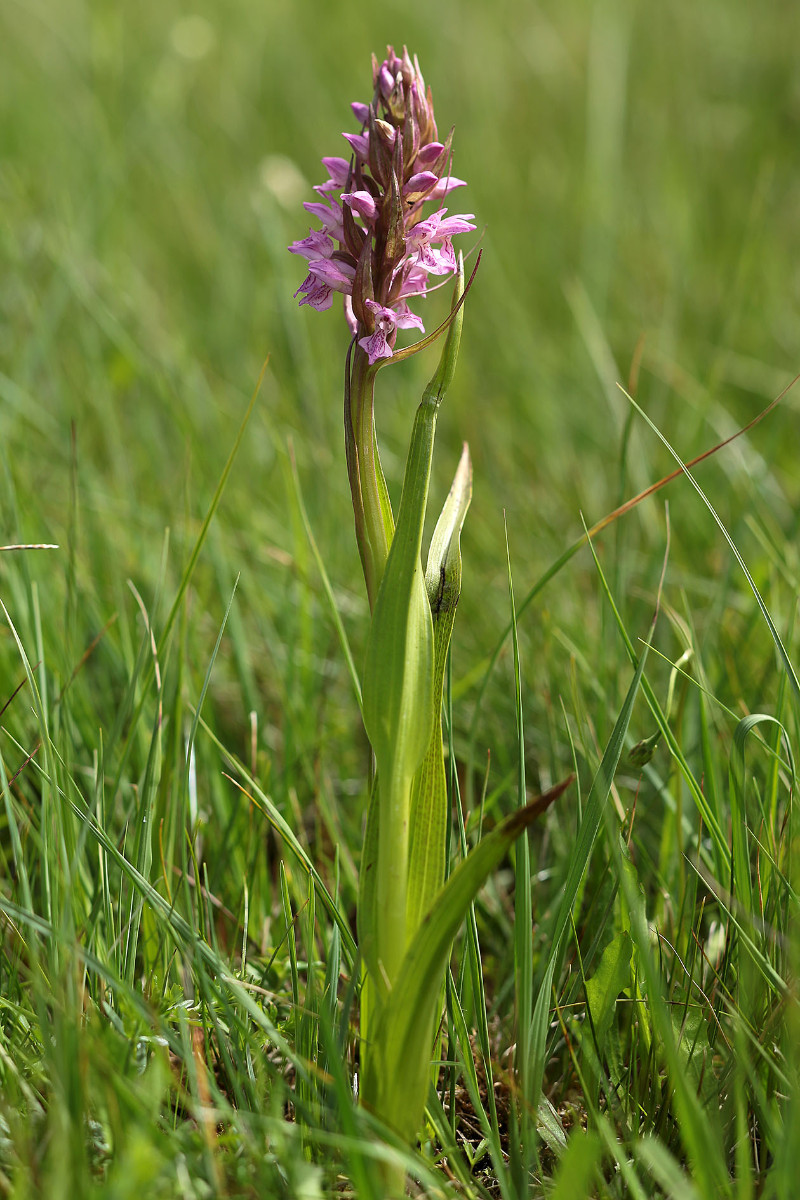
<point x="329" y="214"/>
<point x="360" y="144"/>
<point x="338" y="170"/>
<point x="419" y="185"/>
<point x="387" y="321"/>
<point x="337" y="275"/>
<point x="316" y="245"/>
<point x="317" y="294"/>
<point x="446" y="185"/>
<point x="437" y="228"/>
<point x="361" y="204"/>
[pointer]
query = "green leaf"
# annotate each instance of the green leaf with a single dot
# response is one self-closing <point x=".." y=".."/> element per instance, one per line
<point x="443" y="572"/>
<point x="406" y="1023"/>
<point x="429" y="809"/>
<point x="578" y="1167"/>
<point x="612" y="975"/>
<point x="398" y="685"/>
<point x="398" y="691"/>
<point x="366" y="885"/>
<point x="665" y="1170"/>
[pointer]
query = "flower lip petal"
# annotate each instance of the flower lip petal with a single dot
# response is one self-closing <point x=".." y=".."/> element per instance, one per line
<point x="387" y="320"/>
<point x="318" y="295"/>
<point x="375" y="345"/>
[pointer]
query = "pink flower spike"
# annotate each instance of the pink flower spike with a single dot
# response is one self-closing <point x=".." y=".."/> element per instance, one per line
<point x="407" y="249"/>
<point x="362" y="204"/>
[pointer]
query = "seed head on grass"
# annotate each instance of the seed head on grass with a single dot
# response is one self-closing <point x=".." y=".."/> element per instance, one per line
<point x="377" y="246"/>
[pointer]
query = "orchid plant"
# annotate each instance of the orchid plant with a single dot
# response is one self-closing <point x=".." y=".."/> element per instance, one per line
<point x="384" y="236"/>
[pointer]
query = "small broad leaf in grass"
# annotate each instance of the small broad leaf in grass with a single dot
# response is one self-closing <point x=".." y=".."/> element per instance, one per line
<point x="613" y="974"/>
<point x="604" y="986"/>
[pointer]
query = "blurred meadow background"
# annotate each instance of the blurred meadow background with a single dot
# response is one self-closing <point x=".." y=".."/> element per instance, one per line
<point x="165" y="980"/>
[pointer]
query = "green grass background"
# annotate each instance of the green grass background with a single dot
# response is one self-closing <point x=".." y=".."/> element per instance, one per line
<point x="635" y="171"/>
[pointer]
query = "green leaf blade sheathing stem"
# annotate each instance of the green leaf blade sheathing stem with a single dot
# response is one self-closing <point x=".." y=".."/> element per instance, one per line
<point x="398" y="687"/>
<point x="405" y="1025"/>
<point x="429" y="807"/>
<point x="398" y="690"/>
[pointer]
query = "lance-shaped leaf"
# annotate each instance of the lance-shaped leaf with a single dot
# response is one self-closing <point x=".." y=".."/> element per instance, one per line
<point x="398" y="692"/>
<point x="405" y="1027"/>
<point x="426" y="865"/>
<point x="398" y="688"/>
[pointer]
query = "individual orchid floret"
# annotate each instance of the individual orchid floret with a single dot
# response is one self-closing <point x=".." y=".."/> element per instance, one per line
<point x="316" y="245"/>
<point x="317" y="294"/>
<point x="387" y="321"/>
<point x="377" y="246"/>
<point x="362" y="204"/>
<point x="338" y="170"/>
